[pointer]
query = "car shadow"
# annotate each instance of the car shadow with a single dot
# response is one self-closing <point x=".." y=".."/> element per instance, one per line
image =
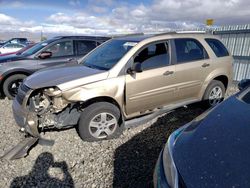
<point x="134" y="161"/>
<point x="40" y="177"/>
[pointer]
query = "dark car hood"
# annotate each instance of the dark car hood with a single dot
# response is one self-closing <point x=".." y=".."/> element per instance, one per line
<point x="12" y="57"/>
<point x="60" y="76"/>
<point x="216" y="152"/>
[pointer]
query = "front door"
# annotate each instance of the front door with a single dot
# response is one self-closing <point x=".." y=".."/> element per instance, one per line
<point x="62" y="54"/>
<point x="153" y="87"/>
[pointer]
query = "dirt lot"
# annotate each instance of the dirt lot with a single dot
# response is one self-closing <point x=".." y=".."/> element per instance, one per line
<point x="125" y="162"/>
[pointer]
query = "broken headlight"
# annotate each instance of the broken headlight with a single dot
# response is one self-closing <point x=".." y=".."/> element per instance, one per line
<point x="53" y="92"/>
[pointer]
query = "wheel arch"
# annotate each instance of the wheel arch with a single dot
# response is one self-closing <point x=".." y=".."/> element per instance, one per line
<point x="219" y="77"/>
<point x="102" y="99"/>
<point x="223" y="79"/>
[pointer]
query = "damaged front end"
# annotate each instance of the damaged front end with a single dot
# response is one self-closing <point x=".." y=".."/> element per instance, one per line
<point x="38" y="110"/>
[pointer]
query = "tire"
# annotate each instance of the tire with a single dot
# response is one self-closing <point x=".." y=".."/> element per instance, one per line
<point x="214" y="86"/>
<point x="9" y="89"/>
<point x="94" y="120"/>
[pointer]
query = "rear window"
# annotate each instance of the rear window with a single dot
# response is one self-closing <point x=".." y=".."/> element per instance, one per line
<point x="218" y="48"/>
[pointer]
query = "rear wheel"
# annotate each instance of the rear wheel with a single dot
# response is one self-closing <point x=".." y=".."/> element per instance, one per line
<point x="100" y="121"/>
<point x="214" y="93"/>
<point x="11" y="85"/>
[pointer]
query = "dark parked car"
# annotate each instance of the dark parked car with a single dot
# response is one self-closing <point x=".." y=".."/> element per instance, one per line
<point x="212" y="150"/>
<point x="63" y="50"/>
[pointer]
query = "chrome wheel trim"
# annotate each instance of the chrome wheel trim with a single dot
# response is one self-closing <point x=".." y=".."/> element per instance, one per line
<point x="215" y="96"/>
<point x="103" y="125"/>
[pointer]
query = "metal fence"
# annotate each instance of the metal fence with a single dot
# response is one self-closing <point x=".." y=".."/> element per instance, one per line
<point x="237" y="40"/>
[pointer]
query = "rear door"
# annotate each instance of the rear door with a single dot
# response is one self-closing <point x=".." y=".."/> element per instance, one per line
<point x="62" y="54"/>
<point x="192" y="67"/>
<point x="153" y="87"/>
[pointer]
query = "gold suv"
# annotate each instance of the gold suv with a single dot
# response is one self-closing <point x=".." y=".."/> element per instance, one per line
<point x="125" y="82"/>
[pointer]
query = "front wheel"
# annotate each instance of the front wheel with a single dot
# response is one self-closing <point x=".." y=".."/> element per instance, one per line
<point x="214" y="93"/>
<point x="100" y="121"/>
<point x="11" y="85"/>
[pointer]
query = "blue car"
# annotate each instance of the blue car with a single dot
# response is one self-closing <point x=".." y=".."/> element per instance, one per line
<point x="211" y="151"/>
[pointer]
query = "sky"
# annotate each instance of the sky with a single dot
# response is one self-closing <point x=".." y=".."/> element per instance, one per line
<point x="101" y="17"/>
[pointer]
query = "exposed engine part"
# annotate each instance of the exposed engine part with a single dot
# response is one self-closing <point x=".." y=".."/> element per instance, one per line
<point x="53" y="92"/>
<point x="39" y="103"/>
<point x="47" y="100"/>
<point x="59" y="104"/>
<point x="68" y="117"/>
<point x="52" y="111"/>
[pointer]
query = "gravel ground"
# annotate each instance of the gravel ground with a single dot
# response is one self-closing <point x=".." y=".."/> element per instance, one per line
<point x="124" y="162"/>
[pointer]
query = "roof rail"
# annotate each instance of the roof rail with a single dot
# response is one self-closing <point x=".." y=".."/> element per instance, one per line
<point x="180" y="32"/>
<point x="79" y="36"/>
<point x="126" y="35"/>
<point x="165" y="33"/>
<point x="191" y="32"/>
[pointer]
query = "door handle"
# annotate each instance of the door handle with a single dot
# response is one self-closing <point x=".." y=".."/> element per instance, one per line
<point x="168" y="73"/>
<point x="205" y="65"/>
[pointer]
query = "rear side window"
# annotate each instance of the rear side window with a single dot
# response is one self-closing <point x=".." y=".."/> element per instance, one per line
<point x="189" y="50"/>
<point x="218" y="48"/>
<point x="153" y="56"/>
<point x="83" y="46"/>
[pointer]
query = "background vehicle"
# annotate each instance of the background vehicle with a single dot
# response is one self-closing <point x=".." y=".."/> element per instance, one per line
<point x="65" y="50"/>
<point x="124" y="82"/>
<point x="19" y="52"/>
<point x="11" y="47"/>
<point x="23" y="41"/>
<point x="212" y="150"/>
<point x="2" y="42"/>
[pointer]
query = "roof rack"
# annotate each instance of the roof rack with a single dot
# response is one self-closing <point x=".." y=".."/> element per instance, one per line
<point x="82" y="37"/>
<point x="181" y="32"/>
<point x="194" y="32"/>
<point x="126" y="35"/>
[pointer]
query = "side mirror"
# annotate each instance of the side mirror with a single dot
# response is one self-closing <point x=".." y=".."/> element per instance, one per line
<point x="136" y="67"/>
<point x="45" y="55"/>
<point x="243" y="84"/>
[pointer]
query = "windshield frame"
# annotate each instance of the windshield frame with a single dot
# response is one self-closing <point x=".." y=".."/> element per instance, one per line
<point x="25" y="53"/>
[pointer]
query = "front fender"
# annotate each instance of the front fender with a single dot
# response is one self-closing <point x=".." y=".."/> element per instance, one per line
<point x="112" y="88"/>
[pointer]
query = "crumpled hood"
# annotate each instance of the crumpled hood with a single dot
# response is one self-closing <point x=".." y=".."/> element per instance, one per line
<point x="77" y="75"/>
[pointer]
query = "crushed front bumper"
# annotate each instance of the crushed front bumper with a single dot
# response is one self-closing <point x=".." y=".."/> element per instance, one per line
<point x="21" y="149"/>
<point x="25" y="119"/>
<point x="28" y="123"/>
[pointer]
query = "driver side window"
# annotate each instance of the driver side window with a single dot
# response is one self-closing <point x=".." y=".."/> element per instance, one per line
<point x="153" y="56"/>
<point x="60" y="49"/>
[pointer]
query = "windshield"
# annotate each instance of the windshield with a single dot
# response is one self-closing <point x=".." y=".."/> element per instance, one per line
<point x="37" y="47"/>
<point x="106" y="56"/>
